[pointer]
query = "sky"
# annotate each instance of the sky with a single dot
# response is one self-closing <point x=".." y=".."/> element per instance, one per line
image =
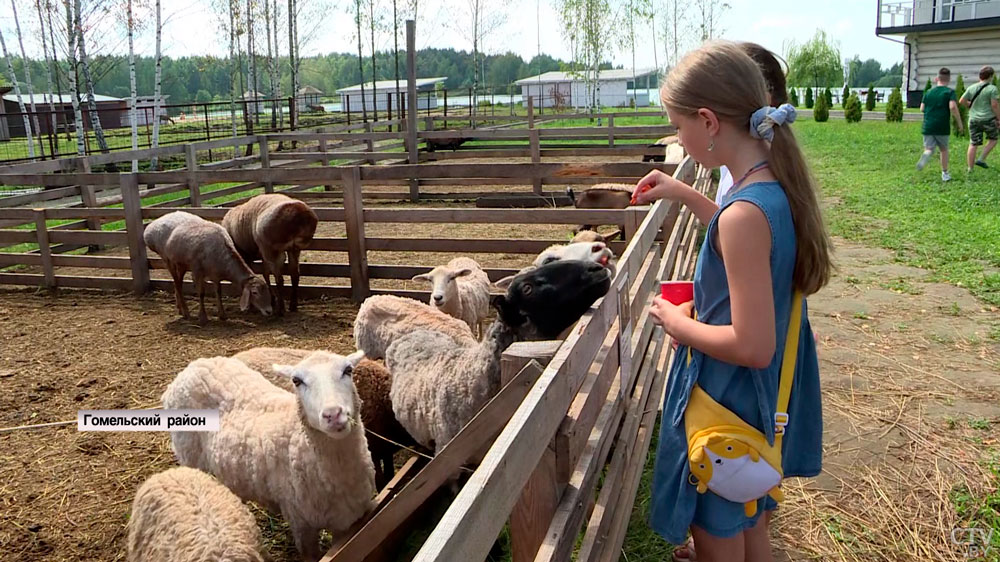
<point x="191" y="28"/>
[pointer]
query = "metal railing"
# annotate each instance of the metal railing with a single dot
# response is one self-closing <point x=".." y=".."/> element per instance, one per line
<point x="904" y="13"/>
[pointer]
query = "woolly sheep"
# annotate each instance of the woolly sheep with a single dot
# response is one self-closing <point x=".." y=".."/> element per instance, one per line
<point x="587" y="236"/>
<point x="595" y="252"/>
<point x="186" y="515"/>
<point x="301" y="454"/>
<point x="382" y="319"/>
<point x="371" y="379"/>
<point x="460" y="289"/>
<point x="267" y="227"/>
<point x="439" y="384"/>
<point x="603" y="196"/>
<point x="188" y="242"/>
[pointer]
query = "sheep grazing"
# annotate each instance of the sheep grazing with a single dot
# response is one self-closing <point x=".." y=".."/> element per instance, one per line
<point x="596" y="252"/>
<point x="301" y="454"/>
<point x="460" y="289"/>
<point x="187" y="242"/>
<point x="372" y="381"/>
<point x="383" y="319"/>
<point x="186" y="515"/>
<point x="603" y="196"/>
<point x="439" y="384"/>
<point x="267" y="227"/>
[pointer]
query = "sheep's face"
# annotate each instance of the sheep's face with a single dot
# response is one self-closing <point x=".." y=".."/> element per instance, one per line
<point x="325" y="389"/>
<point x="444" y="291"/>
<point x="554" y="296"/>
<point x="256" y="294"/>
<point x="597" y="252"/>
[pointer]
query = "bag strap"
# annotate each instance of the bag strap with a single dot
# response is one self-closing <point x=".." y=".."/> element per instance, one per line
<point x="788" y="366"/>
<point x="976" y="95"/>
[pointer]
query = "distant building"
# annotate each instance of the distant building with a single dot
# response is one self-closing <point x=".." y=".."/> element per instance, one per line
<point x="255" y="101"/>
<point x="112" y="113"/>
<point x="308" y="96"/>
<point x="569" y="89"/>
<point x="385" y="90"/>
<point x="144" y="110"/>
<point x="962" y="35"/>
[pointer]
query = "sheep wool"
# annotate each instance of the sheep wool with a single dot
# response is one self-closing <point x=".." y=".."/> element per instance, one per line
<point x="460" y="289"/>
<point x="383" y="319"/>
<point x="186" y="515"/>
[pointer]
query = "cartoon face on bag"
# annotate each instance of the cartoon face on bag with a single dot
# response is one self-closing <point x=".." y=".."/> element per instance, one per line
<point x="719" y="458"/>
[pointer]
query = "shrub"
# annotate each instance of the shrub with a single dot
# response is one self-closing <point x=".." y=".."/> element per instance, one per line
<point x="870" y="99"/>
<point x="809" y="98"/>
<point x="844" y="95"/>
<point x="822" y="111"/>
<point x="793" y="97"/>
<point x="894" y="110"/>
<point x="852" y="109"/>
<point x="963" y="112"/>
<point x="829" y="97"/>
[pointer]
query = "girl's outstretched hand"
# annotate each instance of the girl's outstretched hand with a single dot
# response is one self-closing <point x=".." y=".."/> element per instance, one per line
<point x="669" y="315"/>
<point x="658" y="185"/>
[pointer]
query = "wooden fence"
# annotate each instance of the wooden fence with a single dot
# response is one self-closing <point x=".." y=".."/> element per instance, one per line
<point x="568" y="412"/>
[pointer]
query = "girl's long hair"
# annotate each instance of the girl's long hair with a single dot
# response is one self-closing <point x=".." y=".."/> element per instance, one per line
<point x="721" y="76"/>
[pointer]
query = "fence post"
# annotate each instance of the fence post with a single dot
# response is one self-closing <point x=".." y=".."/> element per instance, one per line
<point x="265" y="161"/>
<point x="42" y="233"/>
<point x="369" y="143"/>
<point x="194" y="191"/>
<point x="388" y="109"/>
<point x="347" y="102"/>
<point x="611" y="131"/>
<point x="531" y="112"/>
<point x="355" y="221"/>
<point x="536" y="157"/>
<point x="428" y="123"/>
<point x="322" y="148"/>
<point x="445" y="90"/>
<point x="539" y="499"/>
<point x="633" y="219"/>
<point x="133" y="228"/>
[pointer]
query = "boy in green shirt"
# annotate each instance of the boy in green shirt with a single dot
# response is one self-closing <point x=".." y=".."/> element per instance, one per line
<point x="939" y="105"/>
<point x="984" y="116"/>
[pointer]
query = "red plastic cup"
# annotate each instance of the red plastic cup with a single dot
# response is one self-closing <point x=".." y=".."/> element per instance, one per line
<point x="677" y="292"/>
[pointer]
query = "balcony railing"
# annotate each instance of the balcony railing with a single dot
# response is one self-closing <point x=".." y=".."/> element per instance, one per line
<point x="906" y="13"/>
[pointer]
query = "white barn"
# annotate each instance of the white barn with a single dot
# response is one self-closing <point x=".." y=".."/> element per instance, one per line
<point x="569" y="89"/>
<point x="385" y="90"/>
<point x="962" y="35"/>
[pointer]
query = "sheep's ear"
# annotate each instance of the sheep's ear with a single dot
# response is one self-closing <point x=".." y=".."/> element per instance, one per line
<point x="422" y="277"/>
<point x="355" y="358"/>
<point x="505" y="282"/>
<point x="461" y="273"/>
<point x="245" y="298"/>
<point x="284" y="370"/>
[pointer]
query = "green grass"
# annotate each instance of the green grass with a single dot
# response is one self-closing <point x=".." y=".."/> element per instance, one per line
<point x="867" y="170"/>
<point x="981" y="512"/>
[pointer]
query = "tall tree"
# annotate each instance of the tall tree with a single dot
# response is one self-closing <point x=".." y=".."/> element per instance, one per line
<point x="270" y="63"/>
<point x="361" y="64"/>
<point x="157" y="89"/>
<point x="590" y="26"/>
<point x="95" y="118"/>
<point x="481" y="19"/>
<point x="48" y="78"/>
<point x="27" y="77"/>
<point x="132" y="117"/>
<point x="710" y="12"/>
<point x="814" y="63"/>
<point x="74" y="83"/>
<point x="232" y="63"/>
<point x="293" y="56"/>
<point x="372" y="23"/>
<point x="675" y="30"/>
<point x="20" y="101"/>
<point x="276" y="70"/>
<point x="252" y="64"/>
<point x="635" y="12"/>
<point x="49" y="8"/>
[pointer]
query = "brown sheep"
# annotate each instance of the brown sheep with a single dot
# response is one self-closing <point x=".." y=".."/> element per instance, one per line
<point x="602" y="196"/>
<point x="267" y="227"/>
<point x="372" y="381"/>
<point x="658" y="150"/>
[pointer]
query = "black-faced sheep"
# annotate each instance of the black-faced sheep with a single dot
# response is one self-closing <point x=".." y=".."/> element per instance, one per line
<point x="302" y="454"/>
<point x="373" y="382"/>
<point x="190" y="243"/>
<point x="268" y="227"/>
<point x="460" y="289"/>
<point x="186" y="515"/>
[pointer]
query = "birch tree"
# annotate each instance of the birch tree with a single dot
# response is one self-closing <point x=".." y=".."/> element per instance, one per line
<point x="252" y="67"/>
<point x="481" y="18"/>
<point x="711" y="12"/>
<point x="232" y="64"/>
<point x="590" y="26"/>
<point x="395" y="54"/>
<point x="675" y="30"/>
<point x="20" y="101"/>
<point x="361" y="66"/>
<point x="270" y="63"/>
<point x="74" y="85"/>
<point x="49" y="8"/>
<point x="27" y="77"/>
<point x="157" y="83"/>
<point x="130" y="29"/>
<point x="95" y="119"/>
<point x="372" y="23"/>
<point x="293" y="56"/>
<point x="48" y="74"/>
<point x="276" y="69"/>
<point x="635" y="12"/>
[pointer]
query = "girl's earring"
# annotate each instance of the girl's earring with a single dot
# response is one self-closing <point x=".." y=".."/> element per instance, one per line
<point x="711" y="145"/>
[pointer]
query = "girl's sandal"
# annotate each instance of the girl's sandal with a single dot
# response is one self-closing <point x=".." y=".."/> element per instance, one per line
<point x="685" y="553"/>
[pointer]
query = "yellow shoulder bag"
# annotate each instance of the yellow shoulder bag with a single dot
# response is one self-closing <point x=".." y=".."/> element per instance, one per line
<point x="729" y="456"/>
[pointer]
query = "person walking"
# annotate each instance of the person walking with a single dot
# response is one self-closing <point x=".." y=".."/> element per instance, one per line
<point x="984" y="117"/>
<point x="938" y="106"/>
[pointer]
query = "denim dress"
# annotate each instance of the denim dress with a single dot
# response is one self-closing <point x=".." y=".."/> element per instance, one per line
<point x="750" y="393"/>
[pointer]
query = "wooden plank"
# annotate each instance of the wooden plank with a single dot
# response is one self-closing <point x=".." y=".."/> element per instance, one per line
<point x="22" y="215"/>
<point x="355" y="221"/>
<point x="327" y="156"/>
<point x="8" y="258"/>
<point x="470" y="526"/>
<point x="88" y="237"/>
<point x="467" y="245"/>
<point x="37" y="280"/>
<point x="58" y="180"/>
<point x="45" y="195"/>
<point x="493" y="216"/>
<point x="16" y="236"/>
<point x="45" y="252"/>
<point x="194" y="189"/>
<point x="470" y="440"/>
<point x="611" y="131"/>
<point x="205" y="213"/>
<point x="536" y="157"/>
<point x="265" y="161"/>
<point x="134" y="227"/>
<point x="520" y="171"/>
<point x="408" y="271"/>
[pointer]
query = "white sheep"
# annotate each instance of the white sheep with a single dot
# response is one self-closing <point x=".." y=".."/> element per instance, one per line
<point x="596" y="252"/>
<point x="186" y="515"/>
<point x="460" y="289"/>
<point x="303" y="455"/>
<point x="187" y="242"/>
<point x="383" y="319"/>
